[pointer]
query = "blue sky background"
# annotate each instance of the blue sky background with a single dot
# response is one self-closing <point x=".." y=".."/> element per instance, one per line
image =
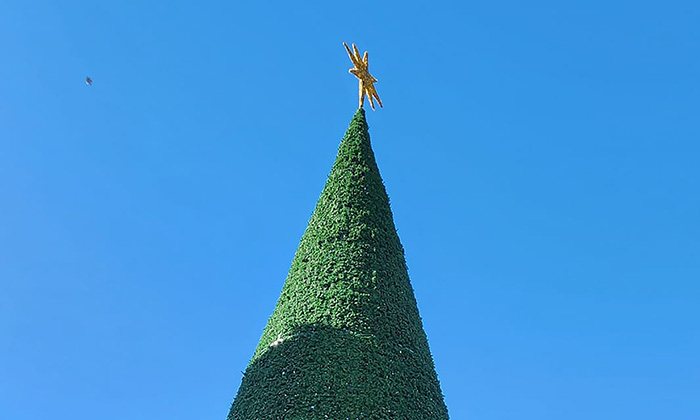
<point x="541" y="158"/>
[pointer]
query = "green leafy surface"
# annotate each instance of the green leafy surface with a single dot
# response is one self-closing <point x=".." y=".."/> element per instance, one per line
<point x="345" y="340"/>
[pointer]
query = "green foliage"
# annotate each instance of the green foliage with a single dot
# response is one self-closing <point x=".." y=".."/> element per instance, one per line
<point x="345" y="340"/>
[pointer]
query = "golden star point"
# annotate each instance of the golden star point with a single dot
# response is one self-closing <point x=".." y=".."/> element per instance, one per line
<point x="361" y="71"/>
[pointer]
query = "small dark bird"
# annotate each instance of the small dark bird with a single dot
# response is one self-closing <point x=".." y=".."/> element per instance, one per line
<point x="88" y="81"/>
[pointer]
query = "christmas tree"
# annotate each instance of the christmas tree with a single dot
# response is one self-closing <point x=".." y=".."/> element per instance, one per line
<point x="345" y="340"/>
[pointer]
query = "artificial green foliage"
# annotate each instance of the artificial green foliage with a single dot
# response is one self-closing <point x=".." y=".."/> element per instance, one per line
<point x="345" y="340"/>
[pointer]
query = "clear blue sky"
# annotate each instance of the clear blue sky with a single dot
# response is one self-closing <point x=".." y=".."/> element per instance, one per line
<point x="541" y="158"/>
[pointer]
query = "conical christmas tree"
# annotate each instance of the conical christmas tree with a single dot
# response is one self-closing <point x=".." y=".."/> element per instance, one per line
<point x="345" y="340"/>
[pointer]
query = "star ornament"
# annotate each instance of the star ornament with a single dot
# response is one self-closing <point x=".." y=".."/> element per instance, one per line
<point x="361" y="71"/>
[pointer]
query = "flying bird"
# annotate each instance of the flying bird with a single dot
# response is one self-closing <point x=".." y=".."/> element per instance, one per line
<point x="88" y="81"/>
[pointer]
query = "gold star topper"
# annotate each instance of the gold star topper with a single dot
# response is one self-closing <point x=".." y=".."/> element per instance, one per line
<point x="361" y="71"/>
